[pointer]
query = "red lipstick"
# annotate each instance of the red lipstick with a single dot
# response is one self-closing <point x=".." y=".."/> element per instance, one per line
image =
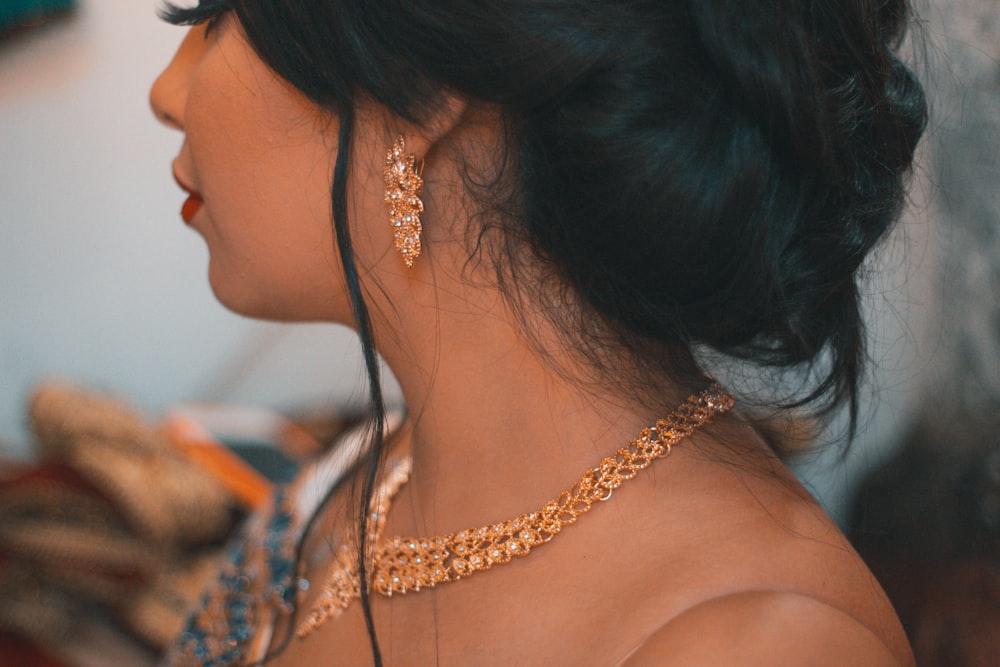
<point x="192" y="204"/>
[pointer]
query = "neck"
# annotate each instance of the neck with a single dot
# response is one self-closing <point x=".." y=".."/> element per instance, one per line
<point x="496" y="427"/>
<point x="498" y="423"/>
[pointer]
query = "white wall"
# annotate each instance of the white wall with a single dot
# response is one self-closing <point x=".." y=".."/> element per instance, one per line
<point x="100" y="281"/>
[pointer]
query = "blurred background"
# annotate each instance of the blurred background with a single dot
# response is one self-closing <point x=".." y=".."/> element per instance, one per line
<point x="100" y="280"/>
<point x="102" y="284"/>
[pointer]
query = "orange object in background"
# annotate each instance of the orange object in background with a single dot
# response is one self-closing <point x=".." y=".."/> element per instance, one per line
<point x="239" y="477"/>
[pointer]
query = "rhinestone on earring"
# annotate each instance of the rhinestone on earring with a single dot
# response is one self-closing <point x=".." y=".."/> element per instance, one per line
<point x="403" y="185"/>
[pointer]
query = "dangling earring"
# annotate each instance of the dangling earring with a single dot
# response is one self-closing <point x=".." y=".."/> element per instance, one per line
<point x="403" y="186"/>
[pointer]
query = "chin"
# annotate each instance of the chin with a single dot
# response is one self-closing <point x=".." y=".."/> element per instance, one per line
<point x="238" y="303"/>
<point x="239" y="297"/>
<point x="260" y="303"/>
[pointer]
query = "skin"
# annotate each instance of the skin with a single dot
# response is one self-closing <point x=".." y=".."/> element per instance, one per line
<point x="696" y="561"/>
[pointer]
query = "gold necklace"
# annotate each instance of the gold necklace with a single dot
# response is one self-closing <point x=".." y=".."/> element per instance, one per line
<point x="405" y="564"/>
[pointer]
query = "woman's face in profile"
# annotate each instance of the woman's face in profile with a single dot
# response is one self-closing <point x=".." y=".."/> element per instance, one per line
<point x="257" y="163"/>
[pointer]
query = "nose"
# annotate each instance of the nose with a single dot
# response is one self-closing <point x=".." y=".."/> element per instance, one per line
<point x="168" y="96"/>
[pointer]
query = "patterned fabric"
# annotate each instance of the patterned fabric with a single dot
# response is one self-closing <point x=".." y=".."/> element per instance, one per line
<point x="111" y="514"/>
<point x="256" y="583"/>
<point x="234" y="622"/>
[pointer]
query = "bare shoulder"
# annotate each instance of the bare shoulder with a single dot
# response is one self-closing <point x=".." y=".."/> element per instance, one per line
<point x="765" y="628"/>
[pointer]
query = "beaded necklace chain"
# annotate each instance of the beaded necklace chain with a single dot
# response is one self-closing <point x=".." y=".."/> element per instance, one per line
<point x="406" y="564"/>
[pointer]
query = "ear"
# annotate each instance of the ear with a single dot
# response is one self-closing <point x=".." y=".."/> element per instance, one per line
<point x="436" y="129"/>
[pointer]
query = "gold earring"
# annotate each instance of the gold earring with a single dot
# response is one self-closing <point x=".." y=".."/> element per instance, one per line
<point x="403" y="185"/>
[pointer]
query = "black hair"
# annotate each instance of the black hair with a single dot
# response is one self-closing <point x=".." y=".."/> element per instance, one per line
<point x="696" y="173"/>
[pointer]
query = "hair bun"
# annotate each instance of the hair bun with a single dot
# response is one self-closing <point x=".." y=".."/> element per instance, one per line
<point x="696" y="171"/>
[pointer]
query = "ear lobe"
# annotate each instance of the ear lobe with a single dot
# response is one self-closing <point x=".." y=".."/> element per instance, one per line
<point x="449" y="113"/>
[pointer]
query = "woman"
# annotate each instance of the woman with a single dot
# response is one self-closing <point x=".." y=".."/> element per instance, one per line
<point x="542" y="213"/>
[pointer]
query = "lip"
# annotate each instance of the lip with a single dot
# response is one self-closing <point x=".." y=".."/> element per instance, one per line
<point x="194" y="201"/>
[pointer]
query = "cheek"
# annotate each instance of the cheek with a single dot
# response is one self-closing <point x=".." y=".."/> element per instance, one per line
<point x="273" y="248"/>
<point x="267" y="220"/>
<point x="274" y="262"/>
<point x="263" y="157"/>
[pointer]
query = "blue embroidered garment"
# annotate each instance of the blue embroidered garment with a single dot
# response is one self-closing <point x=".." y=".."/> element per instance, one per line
<point x="234" y="621"/>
